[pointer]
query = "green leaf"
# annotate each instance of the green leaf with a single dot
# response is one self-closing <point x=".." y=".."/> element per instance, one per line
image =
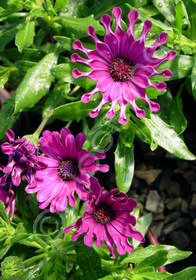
<point x="166" y="8"/>
<point x="35" y="84"/>
<point x="166" y="137"/>
<point x="188" y="273"/>
<point x="60" y="4"/>
<point x="173" y="254"/>
<point x="7" y="34"/>
<point x="179" y="16"/>
<point x="3" y="4"/>
<point x="176" y="116"/>
<point x="58" y="95"/>
<point x="89" y="261"/>
<point x="108" y="5"/>
<point x="152" y="275"/>
<point x="3" y="212"/>
<point x="24" y="37"/>
<point x="124" y="164"/>
<point x="157" y="24"/>
<point x="32" y="55"/>
<point x="77" y="26"/>
<point x="24" y="65"/>
<point x="193" y="78"/>
<point x="5" y="245"/>
<point x="63" y="72"/>
<point x="4" y="75"/>
<point x="65" y="42"/>
<point x="53" y="269"/>
<point x="99" y="137"/>
<point x="74" y="110"/>
<point x="155" y="260"/>
<point x="181" y="67"/>
<point x="13" y="5"/>
<point x="191" y="11"/>
<point x="143" y="132"/>
<point x="7" y="117"/>
<point x="11" y="266"/>
<point x="6" y="232"/>
<point x="142" y="225"/>
<point x="73" y="8"/>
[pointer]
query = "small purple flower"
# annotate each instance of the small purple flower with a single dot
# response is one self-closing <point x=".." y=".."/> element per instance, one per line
<point x="7" y="193"/>
<point x="22" y="159"/>
<point x="67" y="164"/>
<point x="107" y="217"/>
<point x="122" y="66"/>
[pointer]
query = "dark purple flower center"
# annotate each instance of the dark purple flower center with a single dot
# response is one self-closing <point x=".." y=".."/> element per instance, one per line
<point x="121" y="69"/>
<point x="68" y="169"/>
<point x="103" y="214"/>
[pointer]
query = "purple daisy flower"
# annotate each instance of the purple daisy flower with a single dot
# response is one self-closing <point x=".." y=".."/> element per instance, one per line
<point x="122" y="66"/>
<point x="22" y="159"/>
<point x="67" y="165"/>
<point x="107" y="217"/>
<point x="7" y="193"/>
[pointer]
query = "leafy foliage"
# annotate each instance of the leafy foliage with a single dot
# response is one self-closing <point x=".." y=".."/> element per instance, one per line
<point x="35" y="47"/>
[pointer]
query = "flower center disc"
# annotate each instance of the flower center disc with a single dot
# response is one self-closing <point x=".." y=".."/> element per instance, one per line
<point x="121" y="69"/>
<point x="68" y="169"/>
<point x="103" y="214"/>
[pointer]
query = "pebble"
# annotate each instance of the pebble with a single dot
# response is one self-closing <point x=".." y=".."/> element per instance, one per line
<point x="174" y="204"/>
<point x="180" y="222"/>
<point x="182" y="164"/>
<point x="184" y="206"/>
<point x="193" y="187"/>
<point x="152" y="201"/>
<point x="194" y="223"/>
<point x="148" y="175"/>
<point x="165" y="179"/>
<point x="190" y="177"/>
<point x="172" y="217"/>
<point x="173" y="189"/>
<point x="193" y="202"/>
<point x="193" y="234"/>
<point x="180" y="239"/>
<point x="158" y="217"/>
<point x="160" y="207"/>
<point x="157" y="228"/>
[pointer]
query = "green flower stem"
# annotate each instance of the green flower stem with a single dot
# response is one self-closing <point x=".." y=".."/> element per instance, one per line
<point x="43" y="123"/>
<point x="35" y="258"/>
<point x="68" y="124"/>
<point x="107" y="262"/>
<point x="35" y="136"/>
<point x="74" y="90"/>
<point x="192" y="45"/>
<point x="18" y="15"/>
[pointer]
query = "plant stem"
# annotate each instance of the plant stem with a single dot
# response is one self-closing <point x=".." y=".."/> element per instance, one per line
<point x="43" y="123"/>
<point x="154" y="241"/>
<point x="68" y="124"/>
<point x="192" y="45"/>
<point x="35" y="258"/>
<point x="74" y="90"/>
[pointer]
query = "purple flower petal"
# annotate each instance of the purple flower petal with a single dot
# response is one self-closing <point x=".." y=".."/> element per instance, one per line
<point x="107" y="218"/>
<point x="122" y="60"/>
<point x="63" y="173"/>
<point x="80" y="139"/>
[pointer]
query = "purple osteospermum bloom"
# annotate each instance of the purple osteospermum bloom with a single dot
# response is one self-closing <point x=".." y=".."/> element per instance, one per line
<point x="7" y="193"/>
<point x="107" y="217"/>
<point x="67" y="164"/>
<point x="22" y="159"/>
<point x="122" y="66"/>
